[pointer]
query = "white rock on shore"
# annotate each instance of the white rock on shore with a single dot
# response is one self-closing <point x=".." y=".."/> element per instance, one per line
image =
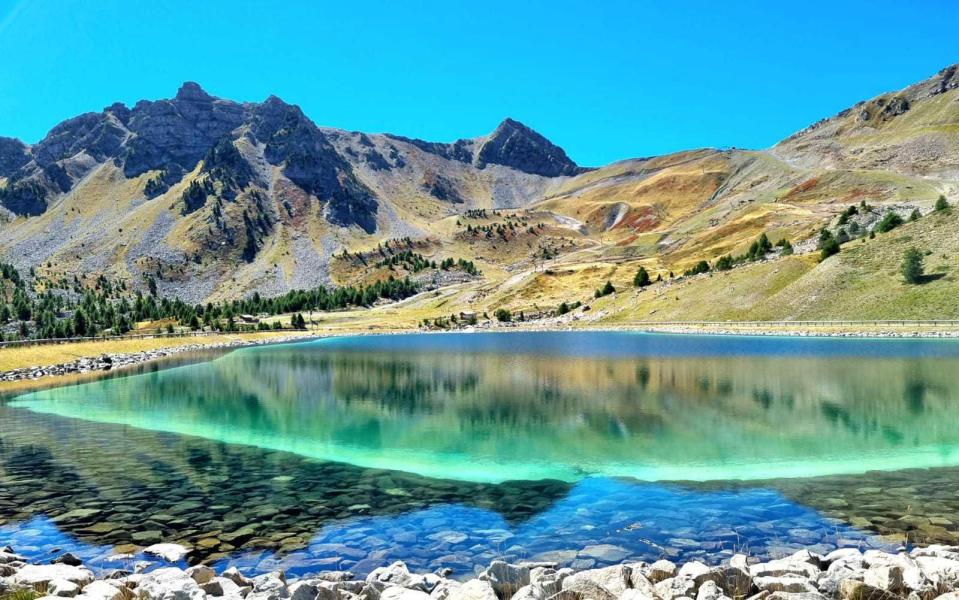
<point x="930" y="573"/>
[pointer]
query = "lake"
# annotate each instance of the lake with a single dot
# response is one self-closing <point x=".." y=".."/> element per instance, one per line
<point x="451" y="450"/>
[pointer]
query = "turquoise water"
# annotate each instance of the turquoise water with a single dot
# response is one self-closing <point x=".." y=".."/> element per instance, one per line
<point x="451" y="450"/>
<point x="491" y="408"/>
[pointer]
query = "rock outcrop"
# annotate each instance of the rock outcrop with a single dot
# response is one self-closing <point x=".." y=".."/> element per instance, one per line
<point x="515" y="145"/>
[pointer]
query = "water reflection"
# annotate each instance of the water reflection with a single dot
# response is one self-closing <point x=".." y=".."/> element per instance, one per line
<point x="509" y="413"/>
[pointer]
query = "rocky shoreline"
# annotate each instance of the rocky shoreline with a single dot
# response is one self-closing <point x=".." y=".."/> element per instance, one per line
<point x="107" y="362"/>
<point x="925" y="573"/>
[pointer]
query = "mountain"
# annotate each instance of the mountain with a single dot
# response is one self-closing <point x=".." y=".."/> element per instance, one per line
<point x="216" y="199"/>
<point x="197" y="191"/>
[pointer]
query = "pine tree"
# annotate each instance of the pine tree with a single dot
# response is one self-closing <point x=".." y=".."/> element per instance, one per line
<point x="642" y="278"/>
<point x="912" y="267"/>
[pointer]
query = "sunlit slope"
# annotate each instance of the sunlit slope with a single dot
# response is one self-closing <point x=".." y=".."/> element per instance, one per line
<point x="861" y="282"/>
<point x="912" y="131"/>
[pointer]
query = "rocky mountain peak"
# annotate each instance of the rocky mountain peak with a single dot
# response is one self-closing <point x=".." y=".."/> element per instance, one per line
<point x="13" y="155"/>
<point x="515" y="145"/>
<point x="191" y="91"/>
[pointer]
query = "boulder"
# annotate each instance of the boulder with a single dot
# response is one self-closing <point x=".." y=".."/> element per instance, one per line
<point x="238" y="578"/>
<point x="790" y="583"/>
<point x="169" y="583"/>
<point x="62" y="588"/>
<point x="830" y="581"/>
<point x="639" y="583"/>
<point x="39" y="575"/>
<point x="783" y="567"/>
<point x="103" y="590"/>
<point x="307" y="590"/>
<point x="444" y="589"/>
<point x="709" y="590"/>
<point x="676" y="587"/>
<point x="7" y="556"/>
<point x="271" y="586"/>
<point x="661" y="570"/>
<point x="614" y="579"/>
<point x="395" y="592"/>
<point x="201" y="574"/>
<point x="856" y="590"/>
<point x="505" y="578"/>
<point x="740" y="561"/>
<point x="474" y="589"/>
<point x="68" y="558"/>
<point x="796" y="596"/>
<point x="168" y="552"/>
<point x="582" y="589"/>
<point x="397" y="574"/>
<point x="735" y="582"/>
<point x="887" y="578"/>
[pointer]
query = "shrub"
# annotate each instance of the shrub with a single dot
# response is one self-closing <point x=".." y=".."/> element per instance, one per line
<point x="912" y="267"/>
<point x="700" y="267"/>
<point x="828" y="248"/>
<point x="563" y="309"/>
<point x="642" y="278"/>
<point x="942" y="203"/>
<point x="890" y="221"/>
<point x="606" y="290"/>
<point x="503" y="315"/>
<point x="915" y="215"/>
<point x="724" y="263"/>
<point x="787" y="248"/>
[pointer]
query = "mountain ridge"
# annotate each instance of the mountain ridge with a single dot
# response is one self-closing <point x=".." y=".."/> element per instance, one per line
<point x="215" y="199"/>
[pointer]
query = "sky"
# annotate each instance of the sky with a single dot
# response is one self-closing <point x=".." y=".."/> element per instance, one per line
<point x="604" y="80"/>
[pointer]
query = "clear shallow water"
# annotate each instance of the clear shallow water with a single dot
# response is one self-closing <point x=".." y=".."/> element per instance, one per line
<point x="452" y="450"/>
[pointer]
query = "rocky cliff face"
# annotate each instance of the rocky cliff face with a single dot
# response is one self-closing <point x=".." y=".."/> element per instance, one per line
<point x="170" y="137"/>
<point x="517" y="146"/>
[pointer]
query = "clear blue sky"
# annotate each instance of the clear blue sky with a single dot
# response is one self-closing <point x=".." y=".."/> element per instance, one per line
<point x="605" y="80"/>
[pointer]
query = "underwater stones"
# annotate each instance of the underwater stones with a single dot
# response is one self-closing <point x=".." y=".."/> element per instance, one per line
<point x="605" y="552"/>
<point x="147" y="537"/>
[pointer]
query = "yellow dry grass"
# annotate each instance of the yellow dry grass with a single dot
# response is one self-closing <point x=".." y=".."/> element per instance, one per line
<point x="52" y="354"/>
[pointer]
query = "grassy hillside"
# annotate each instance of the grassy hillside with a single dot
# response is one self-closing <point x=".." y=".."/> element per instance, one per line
<point x="862" y="282"/>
